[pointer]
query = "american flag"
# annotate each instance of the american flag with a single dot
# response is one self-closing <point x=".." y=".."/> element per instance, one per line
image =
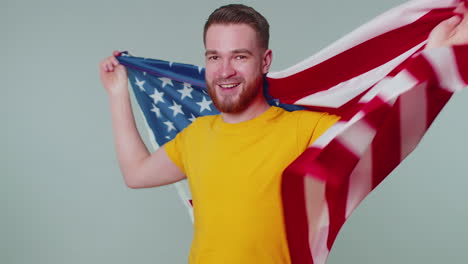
<point x="378" y="78"/>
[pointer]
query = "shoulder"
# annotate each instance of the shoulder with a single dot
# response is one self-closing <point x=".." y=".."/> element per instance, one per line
<point x="310" y="117"/>
<point x="176" y="147"/>
<point x="320" y="118"/>
<point x="203" y="121"/>
<point x="311" y="125"/>
<point x="200" y="123"/>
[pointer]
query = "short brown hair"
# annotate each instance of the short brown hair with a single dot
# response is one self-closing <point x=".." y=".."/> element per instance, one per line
<point x="240" y="14"/>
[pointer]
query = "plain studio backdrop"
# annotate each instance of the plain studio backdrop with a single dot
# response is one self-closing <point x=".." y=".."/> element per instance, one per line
<point x="62" y="196"/>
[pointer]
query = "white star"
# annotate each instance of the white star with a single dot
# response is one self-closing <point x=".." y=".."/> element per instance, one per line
<point x="200" y="68"/>
<point x="176" y="108"/>
<point x="140" y="84"/>
<point x="156" y="110"/>
<point x="157" y="96"/>
<point x="204" y="104"/>
<point x="192" y="118"/>
<point x="186" y="92"/>
<point x="170" y="126"/>
<point x="165" y="81"/>
<point x="170" y="64"/>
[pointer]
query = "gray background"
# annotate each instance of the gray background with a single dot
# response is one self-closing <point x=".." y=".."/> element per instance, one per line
<point x="62" y="196"/>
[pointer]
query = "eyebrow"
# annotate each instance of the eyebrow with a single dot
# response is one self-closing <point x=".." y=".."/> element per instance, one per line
<point x="236" y="51"/>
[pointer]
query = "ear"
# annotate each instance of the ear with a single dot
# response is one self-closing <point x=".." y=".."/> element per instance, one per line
<point x="266" y="62"/>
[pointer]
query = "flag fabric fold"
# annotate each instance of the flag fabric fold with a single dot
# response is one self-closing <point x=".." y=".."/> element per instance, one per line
<point x="387" y="101"/>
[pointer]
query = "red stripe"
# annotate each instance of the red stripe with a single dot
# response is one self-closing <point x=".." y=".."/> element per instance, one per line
<point x="343" y="66"/>
<point x="422" y="70"/>
<point x="386" y="146"/>
<point x="334" y="163"/>
<point x="374" y="111"/>
<point x="437" y="98"/>
<point x="295" y="217"/>
<point x="337" y="196"/>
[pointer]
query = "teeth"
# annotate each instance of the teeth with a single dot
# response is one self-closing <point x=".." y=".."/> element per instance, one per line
<point x="228" y="85"/>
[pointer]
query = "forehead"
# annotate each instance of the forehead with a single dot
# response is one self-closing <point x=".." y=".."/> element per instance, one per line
<point x="230" y="36"/>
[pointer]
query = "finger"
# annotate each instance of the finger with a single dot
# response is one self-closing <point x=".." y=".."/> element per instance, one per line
<point x="441" y="35"/>
<point x="116" y="53"/>
<point x="103" y="67"/>
<point x="110" y="66"/>
<point x="450" y="24"/>
<point x="445" y="28"/>
<point x="114" y="61"/>
<point x="462" y="8"/>
<point x="111" y="62"/>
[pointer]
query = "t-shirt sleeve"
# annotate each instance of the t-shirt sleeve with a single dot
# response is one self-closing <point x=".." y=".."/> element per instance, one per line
<point x="174" y="150"/>
<point x="323" y="124"/>
<point x="313" y="124"/>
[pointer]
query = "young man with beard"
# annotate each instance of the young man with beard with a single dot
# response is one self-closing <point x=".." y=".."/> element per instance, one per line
<point x="233" y="161"/>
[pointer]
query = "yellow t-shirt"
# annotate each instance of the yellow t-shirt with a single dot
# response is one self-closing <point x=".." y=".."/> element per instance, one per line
<point x="234" y="173"/>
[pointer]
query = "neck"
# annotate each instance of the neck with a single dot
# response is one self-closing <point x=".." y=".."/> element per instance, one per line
<point x="256" y="108"/>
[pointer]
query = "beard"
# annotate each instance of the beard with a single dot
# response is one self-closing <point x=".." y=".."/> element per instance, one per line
<point x="235" y="103"/>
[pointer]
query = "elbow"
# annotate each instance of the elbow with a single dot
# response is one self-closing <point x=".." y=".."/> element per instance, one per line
<point x="132" y="185"/>
<point x="132" y="182"/>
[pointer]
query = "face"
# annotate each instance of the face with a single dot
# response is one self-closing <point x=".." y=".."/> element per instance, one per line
<point x="235" y="64"/>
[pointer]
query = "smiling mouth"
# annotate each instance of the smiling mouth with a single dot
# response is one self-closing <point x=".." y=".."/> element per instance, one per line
<point x="228" y="86"/>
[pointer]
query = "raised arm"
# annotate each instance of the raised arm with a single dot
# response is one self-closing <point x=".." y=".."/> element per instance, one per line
<point x="139" y="167"/>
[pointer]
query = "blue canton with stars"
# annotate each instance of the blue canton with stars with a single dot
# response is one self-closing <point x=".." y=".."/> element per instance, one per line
<point x="171" y="95"/>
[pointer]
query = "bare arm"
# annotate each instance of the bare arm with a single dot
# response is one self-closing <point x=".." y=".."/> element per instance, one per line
<point x="139" y="168"/>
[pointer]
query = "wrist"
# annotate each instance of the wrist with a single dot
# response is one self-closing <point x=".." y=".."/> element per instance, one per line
<point x="118" y="97"/>
<point x="117" y="94"/>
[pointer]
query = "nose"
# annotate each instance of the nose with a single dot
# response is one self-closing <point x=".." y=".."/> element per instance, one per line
<point x="227" y="70"/>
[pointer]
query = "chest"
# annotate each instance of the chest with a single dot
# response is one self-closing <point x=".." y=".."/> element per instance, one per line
<point x="246" y="165"/>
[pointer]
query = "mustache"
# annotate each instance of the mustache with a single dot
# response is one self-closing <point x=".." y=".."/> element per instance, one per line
<point x="229" y="80"/>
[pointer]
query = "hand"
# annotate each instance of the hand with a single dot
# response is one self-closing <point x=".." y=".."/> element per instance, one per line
<point x="453" y="31"/>
<point x="113" y="75"/>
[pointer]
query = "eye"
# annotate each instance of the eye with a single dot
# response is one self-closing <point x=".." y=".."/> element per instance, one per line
<point x="212" y="57"/>
<point x="241" y="57"/>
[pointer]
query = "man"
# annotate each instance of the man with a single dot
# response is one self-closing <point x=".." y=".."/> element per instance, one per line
<point x="233" y="161"/>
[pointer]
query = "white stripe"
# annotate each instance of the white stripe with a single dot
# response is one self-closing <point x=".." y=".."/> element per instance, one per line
<point x="401" y="83"/>
<point x="376" y="90"/>
<point x="444" y="64"/>
<point x="413" y="118"/>
<point x="357" y="137"/>
<point x="360" y="182"/>
<point x="347" y="90"/>
<point x="319" y="248"/>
